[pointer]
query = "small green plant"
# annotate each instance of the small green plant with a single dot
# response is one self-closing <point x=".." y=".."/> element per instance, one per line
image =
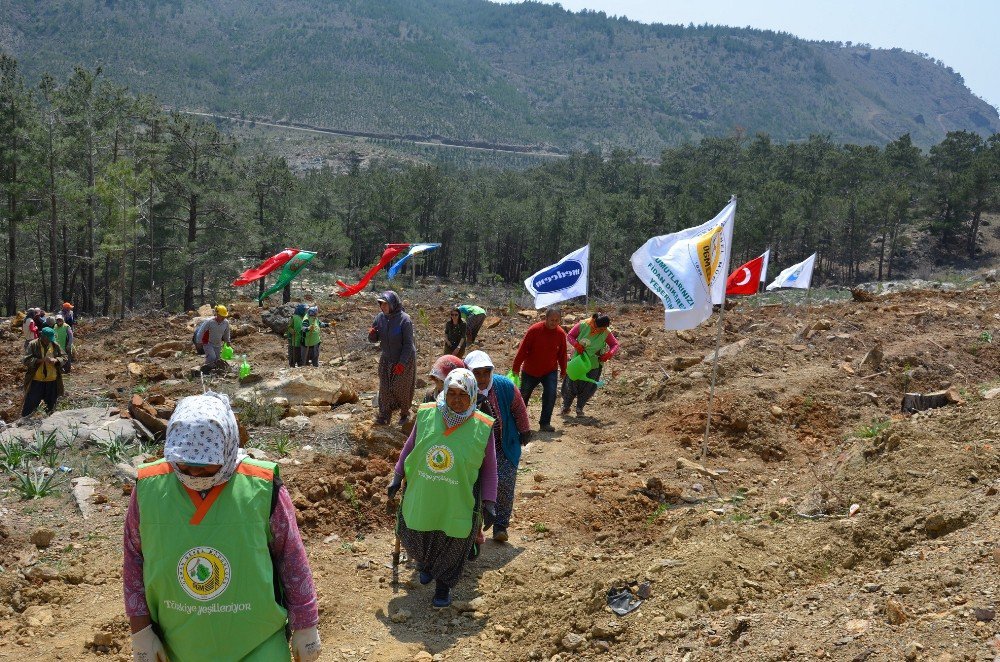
<point x="282" y="444"/>
<point x="985" y="337"/>
<point x="257" y="410"/>
<point x="511" y="306"/>
<point x="660" y="509"/>
<point x="873" y="429"/>
<point x="12" y="454"/>
<point x="423" y="319"/>
<point x="539" y="527"/>
<point x="350" y="494"/>
<point x="44" y="449"/>
<point x="740" y="517"/>
<point x="116" y="448"/>
<point x="808" y="403"/>
<point x="35" y="482"/>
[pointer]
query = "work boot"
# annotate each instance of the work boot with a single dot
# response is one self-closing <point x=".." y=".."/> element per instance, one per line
<point x="499" y="535"/>
<point x="546" y="428"/>
<point x="442" y="596"/>
<point x="564" y="411"/>
<point x="425" y="577"/>
<point x="579" y="413"/>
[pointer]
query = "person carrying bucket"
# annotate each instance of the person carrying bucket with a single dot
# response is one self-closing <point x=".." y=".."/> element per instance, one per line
<point x="593" y="344"/>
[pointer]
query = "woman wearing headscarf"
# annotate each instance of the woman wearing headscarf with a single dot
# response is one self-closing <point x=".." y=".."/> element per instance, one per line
<point x="442" y="366"/>
<point x="449" y="463"/>
<point x="454" y="333"/>
<point x="397" y="366"/>
<point x="591" y="337"/>
<point x="43" y="362"/>
<point x="214" y="564"/>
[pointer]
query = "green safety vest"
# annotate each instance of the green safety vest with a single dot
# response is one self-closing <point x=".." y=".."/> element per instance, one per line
<point x="207" y="569"/>
<point x="295" y="330"/>
<point x="469" y="309"/>
<point x="311" y="329"/>
<point x="62" y="333"/>
<point x="593" y="343"/>
<point x="441" y="471"/>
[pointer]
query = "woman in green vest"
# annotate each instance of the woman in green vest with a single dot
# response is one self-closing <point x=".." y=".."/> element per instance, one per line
<point x="214" y="567"/>
<point x="594" y="338"/>
<point x="64" y="338"/>
<point x="311" y="337"/>
<point x="296" y="355"/>
<point x="450" y="467"/>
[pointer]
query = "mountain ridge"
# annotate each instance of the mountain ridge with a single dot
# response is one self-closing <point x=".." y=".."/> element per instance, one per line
<point x="473" y="71"/>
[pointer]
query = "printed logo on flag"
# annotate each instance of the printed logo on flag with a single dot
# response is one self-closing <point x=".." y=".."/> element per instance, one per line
<point x="204" y="573"/>
<point x="558" y="277"/>
<point x="794" y="276"/>
<point x="709" y="248"/>
<point x="439" y="459"/>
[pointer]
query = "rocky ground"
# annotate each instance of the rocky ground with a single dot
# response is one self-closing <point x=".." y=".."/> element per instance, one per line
<point x="823" y="523"/>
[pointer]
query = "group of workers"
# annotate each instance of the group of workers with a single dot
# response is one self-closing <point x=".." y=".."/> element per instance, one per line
<point x="48" y="353"/>
<point x="304" y="336"/>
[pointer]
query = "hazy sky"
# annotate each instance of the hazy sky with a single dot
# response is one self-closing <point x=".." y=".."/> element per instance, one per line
<point x="961" y="33"/>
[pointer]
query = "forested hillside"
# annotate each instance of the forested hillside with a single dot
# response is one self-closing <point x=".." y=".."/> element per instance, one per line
<point x="114" y="204"/>
<point x="470" y="70"/>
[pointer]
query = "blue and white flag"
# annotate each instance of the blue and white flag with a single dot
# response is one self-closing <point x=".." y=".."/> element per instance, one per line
<point x="564" y="280"/>
<point x="798" y="275"/>
<point x="414" y="250"/>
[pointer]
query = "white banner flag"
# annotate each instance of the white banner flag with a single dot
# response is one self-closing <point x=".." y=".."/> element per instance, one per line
<point x="563" y="280"/>
<point x="763" y="271"/>
<point x="798" y="275"/>
<point x="688" y="269"/>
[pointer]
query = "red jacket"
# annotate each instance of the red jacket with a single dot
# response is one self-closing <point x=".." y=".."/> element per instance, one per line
<point x="542" y="350"/>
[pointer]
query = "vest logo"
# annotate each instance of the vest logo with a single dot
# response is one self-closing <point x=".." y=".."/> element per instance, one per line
<point x="559" y="277"/>
<point x="440" y="459"/>
<point x="204" y="573"/>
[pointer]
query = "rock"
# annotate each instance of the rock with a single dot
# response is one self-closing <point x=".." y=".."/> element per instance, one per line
<point x="423" y="656"/>
<point x="242" y="330"/>
<point x="558" y="570"/>
<point x="990" y="276"/>
<point x="912" y="650"/>
<point x="75" y="426"/>
<point x="727" y="351"/>
<point x="938" y="524"/>
<point x="984" y="615"/>
<point x="126" y="472"/>
<point x="104" y="639"/>
<point x="491" y="322"/>
<point x="295" y="424"/>
<point x="476" y="604"/>
<point x="256" y="454"/>
<point x="776" y="410"/>
<point x="146" y="414"/>
<point x="528" y="314"/>
<point x="608" y="630"/>
<point x="685" y="611"/>
<point x="167" y="349"/>
<point x="83" y="490"/>
<point x="42" y="573"/>
<point x="206" y="310"/>
<point x="316" y="384"/>
<point x="873" y="359"/>
<point x="276" y="319"/>
<point x="42" y="537"/>
<point x="400" y="616"/>
<point x="895" y="613"/>
<point x="135" y="370"/>
<point x="645" y="591"/>
<point x="115" y="428"/>
<point x="721" y="600"/>
<point x="992" y="393"/>
<point x="38" y="616"/>
<point x="680" y="363"/>
<point x="689" y="465"/>
<point x="573" y="642"/>
<point x="686" y="336"/>
<point x="822" y="325"/>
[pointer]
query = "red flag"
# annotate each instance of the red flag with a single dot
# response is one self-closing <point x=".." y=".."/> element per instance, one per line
<point x="265" y="267"/>
<point x="391" y="251"/>
<point x="746" y="279"/>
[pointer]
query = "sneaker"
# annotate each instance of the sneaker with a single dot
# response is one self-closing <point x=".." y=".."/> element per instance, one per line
<point x="442" y="596"/>
<point x="546" y="428"/>
<point x="425" y="578"/>
<point x="500" y="535"/>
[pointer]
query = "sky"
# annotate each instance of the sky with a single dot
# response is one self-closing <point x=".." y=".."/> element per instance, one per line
<point x="961" y="33"/>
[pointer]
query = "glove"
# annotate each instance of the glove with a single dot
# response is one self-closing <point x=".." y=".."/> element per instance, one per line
<point x="394" y="485"/>
<point x="305" y="645"/>
<point x="146" y="646"/>
<point x="577" y="346"/>
<point x="398" y="369"/>
<point x="525" y="438"/>
<point x="603" y="357"/>
<point x="489" y="514"/>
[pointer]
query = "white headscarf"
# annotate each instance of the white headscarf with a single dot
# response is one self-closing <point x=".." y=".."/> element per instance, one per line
<point x="458" y="378"/>
<point x="203" y="430"/>
<point x="480" y="359"/>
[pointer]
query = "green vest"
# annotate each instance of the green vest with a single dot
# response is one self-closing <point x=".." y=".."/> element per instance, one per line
<point x="295" y="330"/>
<point x="441" y="471"/>
<point x="62" y="332"/>
<point x="207" y="570"/>
<point x="311" y="329"/>
<point x="469" y="309"/>
<point x="592" y="342"/>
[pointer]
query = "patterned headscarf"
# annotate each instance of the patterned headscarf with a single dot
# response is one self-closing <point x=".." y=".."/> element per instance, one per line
<point x="444" y="365"/>
<point x="203" y="430"/>
<point x="458" y="378"/>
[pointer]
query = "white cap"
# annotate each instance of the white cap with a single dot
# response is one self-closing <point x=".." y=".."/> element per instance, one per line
<point x="478" y="359"/>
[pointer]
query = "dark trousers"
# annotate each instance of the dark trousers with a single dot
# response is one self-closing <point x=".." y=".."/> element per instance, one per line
<point x="312" y="355"/>
<point x="550" y="383"/>
<point x="472" y="325"/>
<point x="38" y="392"/>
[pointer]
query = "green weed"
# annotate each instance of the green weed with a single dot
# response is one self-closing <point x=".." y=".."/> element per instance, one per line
<point x="44" y="448"/>
<point x="116" y="449"/>
<point x="35" y="482"/>
<point x="282" y="445"/>
<point x="257" y="410"/>
<point x="985" y="337"/>
<point x="12" y="454"/>
<point x="660" y="509"/>
<point x="539" y="527"/>
<point x="873" y="429"/>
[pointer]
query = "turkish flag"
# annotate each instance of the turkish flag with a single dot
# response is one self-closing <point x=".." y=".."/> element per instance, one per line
<point x="746" y="279"/>
<point x="264" y="268"/>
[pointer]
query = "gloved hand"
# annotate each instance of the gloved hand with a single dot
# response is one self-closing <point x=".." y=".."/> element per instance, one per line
<point x="146" y="646"/>
<point x="604" y="357"/>
<point x="305" y="645"/>
<point x="398" y="369"/>
<point x="489" y="514"/>
<point x="577" y="346"/>
<point x="525" y="438"/>
<point x="394" y="485"/>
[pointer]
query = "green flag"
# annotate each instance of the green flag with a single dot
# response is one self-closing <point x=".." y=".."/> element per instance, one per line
<point x="288" y="272"/>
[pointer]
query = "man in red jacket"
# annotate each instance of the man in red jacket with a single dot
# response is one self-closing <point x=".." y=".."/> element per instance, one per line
<point x="540" y="359"/>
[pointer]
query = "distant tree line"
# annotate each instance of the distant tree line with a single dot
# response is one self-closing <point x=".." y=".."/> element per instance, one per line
<point x="111" y="203"/>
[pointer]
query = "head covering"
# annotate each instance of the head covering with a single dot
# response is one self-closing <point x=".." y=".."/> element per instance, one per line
<point x="68" y="305"/>
<point x="49" y="333"/>
<point x="203" y="430"/>
<point x="59" y="317"/>
<point x="300" y="309"/>
<point x="221" y="311"/>
<point x="480" y="359"/>
<point x="391" y="298"/>
<point x="444" y="365"/>
<point x="314" y="310"/>
<point x="460" y="378"/>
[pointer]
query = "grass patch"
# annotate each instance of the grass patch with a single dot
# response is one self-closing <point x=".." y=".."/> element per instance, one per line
<point x="539" y="527"/>
<point x="258" y="410"/>
<point x="872" y="429"/>
<point x="660" y="509"/>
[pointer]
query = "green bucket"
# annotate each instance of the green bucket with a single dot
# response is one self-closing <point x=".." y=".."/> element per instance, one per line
<point x="227" y="352"/>
<point x="578" y="367"/>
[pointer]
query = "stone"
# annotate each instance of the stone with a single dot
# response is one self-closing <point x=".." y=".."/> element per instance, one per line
<point x="276" y="319"/>
<point x="476" y="604"/>
<point x="938" y="524"/>
<point x="685" y="611"/>
<point x="608" y="630"/>
<point x="721" y="600"/>
<point x="984" y="615"/>
<point x="528" y="314"/>
<point x="126" y="472"/>
<point x="83" y="489"/>
<point x="104" y="639"/>
<point x="895" y="613"/>
<point x="776" y="410"/>
<point x="491" y="322"/>
<point x="317" y="384"/>
<point x="42" y="573"/>
<point x="680" y="363"/>
<point x="992" y="393"/>
<point x="169" y="348"/>
<point x="686" y="336"/>
<point x="401" y="616"/>
<point x="295" y="424"/>
<point x="42" y="537"/>
<point x="38" y="616"/>
<point x="727" y="351"/>
<point x="689" y="465"/>
<point x="423" y="656"/>
<point x="822" y="325"/>
<point x="75" y="426"/>
<point x="912" y="650"/>
<point x="573" y="642"/>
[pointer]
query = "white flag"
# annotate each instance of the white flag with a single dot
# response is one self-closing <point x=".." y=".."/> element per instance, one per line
<point x="687" y="269"/>
<point x="763" y="271"/>
<point x="563" y="280"/>
<point x="798" y="275"/>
